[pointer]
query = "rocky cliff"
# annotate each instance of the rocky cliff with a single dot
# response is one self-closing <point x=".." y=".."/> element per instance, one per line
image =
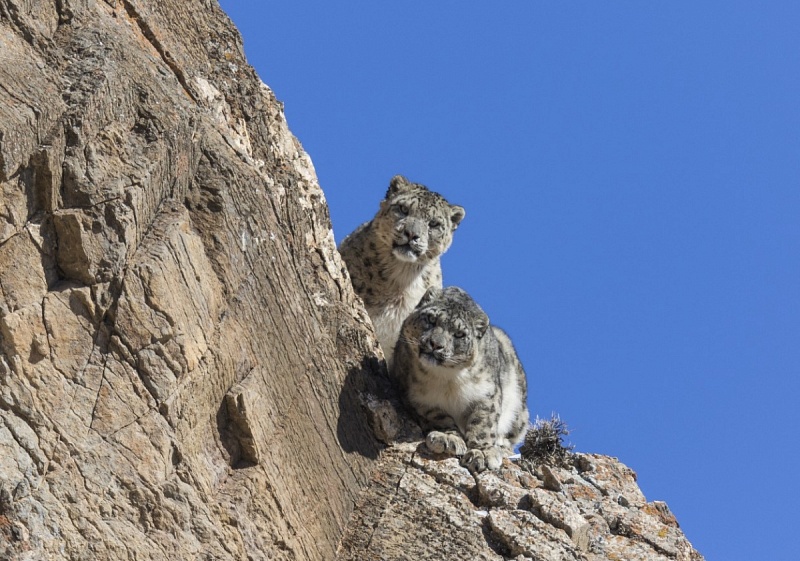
<point x="185" y="372"/>
<point x="167" y="259"/>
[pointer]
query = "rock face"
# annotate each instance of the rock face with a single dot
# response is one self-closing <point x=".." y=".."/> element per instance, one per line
<point x="178" y="339"/>
<point x="185" y="372"/>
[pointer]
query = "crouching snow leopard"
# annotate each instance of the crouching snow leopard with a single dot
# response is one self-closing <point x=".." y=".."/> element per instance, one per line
<point x="463" y="378"/>
<point x="394" y="258"/>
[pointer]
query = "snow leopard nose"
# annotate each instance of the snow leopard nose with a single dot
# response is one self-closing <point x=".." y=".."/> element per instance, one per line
<point x="437" y="342"/>
<point x="413" y="229"/>
<point x="412" y="233"/>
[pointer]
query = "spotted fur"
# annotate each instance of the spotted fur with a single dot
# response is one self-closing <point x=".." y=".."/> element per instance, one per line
<point x="463" y="378"/>
<point x="394" y="258"/>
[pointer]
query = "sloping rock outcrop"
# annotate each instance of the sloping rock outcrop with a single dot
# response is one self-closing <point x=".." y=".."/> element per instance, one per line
<point x="420" y="507"/>
<point x="185" y="372"/>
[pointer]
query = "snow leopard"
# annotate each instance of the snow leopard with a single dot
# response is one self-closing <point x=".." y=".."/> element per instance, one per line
<point x="463" y="379"/>
<point x="394" y="258"/>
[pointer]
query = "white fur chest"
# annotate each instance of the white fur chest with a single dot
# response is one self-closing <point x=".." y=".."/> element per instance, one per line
<point x="389" y="318"/>
<point x="511" y="405"/>
<point x="453" y="393"/>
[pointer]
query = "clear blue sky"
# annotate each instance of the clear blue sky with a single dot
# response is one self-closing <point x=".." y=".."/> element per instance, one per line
<point x="631" y="175"/>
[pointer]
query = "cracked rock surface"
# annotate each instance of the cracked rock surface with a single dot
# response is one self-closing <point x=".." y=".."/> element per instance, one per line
<point x="166" y="257"/>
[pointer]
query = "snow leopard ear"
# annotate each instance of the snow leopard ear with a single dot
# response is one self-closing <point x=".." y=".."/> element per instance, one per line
<point x="430" y="295"/>
<point x="481" y="325"/>
<point x="456" y="215"/>
<point x="398" y="184"/>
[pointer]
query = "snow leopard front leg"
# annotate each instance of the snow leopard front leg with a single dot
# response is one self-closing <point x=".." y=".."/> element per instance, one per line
<point x="444" y="437"/>
<point x="481" y="437"/>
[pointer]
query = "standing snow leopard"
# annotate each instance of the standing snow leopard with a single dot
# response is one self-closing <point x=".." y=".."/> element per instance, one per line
<point x="394" y="258"/>
<point x="463" y="378"/>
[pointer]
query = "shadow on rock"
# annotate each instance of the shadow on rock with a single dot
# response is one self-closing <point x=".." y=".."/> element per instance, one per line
<point x="371" y="414"/>
<point x="355" y="430"/>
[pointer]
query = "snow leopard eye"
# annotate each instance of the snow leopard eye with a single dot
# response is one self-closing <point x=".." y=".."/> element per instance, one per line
<point x="401" y="209"/>
<point x="434" y="224"/>
<point x="460" y="334"/>
<point x="429" y="319"/>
